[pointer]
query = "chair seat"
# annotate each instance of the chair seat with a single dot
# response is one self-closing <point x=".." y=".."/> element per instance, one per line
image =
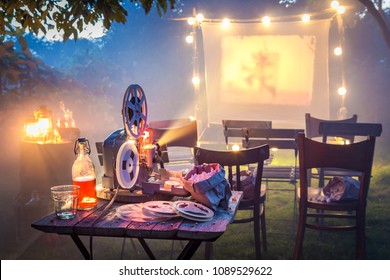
<point x="316" y="201"/>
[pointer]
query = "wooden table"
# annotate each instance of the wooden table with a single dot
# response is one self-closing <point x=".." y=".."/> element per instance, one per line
<point x="104" y="222"/>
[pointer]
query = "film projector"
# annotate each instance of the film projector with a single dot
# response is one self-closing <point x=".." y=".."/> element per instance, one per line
<point x="131" y="156"/>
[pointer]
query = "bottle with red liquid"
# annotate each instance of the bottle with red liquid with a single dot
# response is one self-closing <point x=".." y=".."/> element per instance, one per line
<point x="84" y="175"/>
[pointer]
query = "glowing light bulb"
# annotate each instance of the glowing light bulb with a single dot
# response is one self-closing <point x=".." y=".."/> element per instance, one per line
<point x="266" y="20"/>
<point x="235" y="147"/>
<point x="338" y="51"/>
<point x="334" y="4"/>
<point x="305" y="18"/>
<point x="189" y="39"/>
<point x="341" y="10"/>
<point x="342" y="91"/>
<point x="225" y="23"/>
<point x="199" y="17"/>
<point x="195" y="80"/>
<point x="191" y="21"/>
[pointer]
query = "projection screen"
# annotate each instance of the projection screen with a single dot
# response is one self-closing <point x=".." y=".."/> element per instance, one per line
<point x="277" y="72"/>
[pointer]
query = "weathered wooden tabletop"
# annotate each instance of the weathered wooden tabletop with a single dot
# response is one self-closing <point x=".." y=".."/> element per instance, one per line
<point x="96" y="223"/>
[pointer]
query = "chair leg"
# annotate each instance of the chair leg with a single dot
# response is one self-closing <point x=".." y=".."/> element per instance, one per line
<point x="256" y="228"/>
<point x="263" y="228"/>
<point x="360" y="237"/>
<point x="300" y="234"/>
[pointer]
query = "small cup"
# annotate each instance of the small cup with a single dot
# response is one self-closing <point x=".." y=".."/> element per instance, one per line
<point x="65" y="199"/>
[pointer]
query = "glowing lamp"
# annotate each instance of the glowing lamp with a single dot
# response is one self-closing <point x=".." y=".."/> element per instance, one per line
<point x="189" y="39"/>
<point x="342" y="91"/>
<point x="338" y="51"/>
<point x="195" y="80"/>
<point x="199" y="18"/>
<point x="266" y="20"/>
<point x="225" y="23"/>
<point x="235" y="147"/>
<point x="274" y="149"/>
<point x="191" y="21"/>
<point x="341" y="10"/>
<point x="39" y="128"/>
<point x="192" y="118"/>
<point x="305" y="18"/>
<point x="334" y="4"/>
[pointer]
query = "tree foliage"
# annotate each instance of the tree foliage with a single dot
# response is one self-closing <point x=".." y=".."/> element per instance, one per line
<point x="20" y="71"/>
<point x="68" y="17"/>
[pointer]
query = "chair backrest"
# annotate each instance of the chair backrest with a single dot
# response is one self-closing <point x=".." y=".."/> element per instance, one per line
<point x="313" y="123"/>
<point x="233" y="161"/>
<point x="232" y="128"/>
<point x="281" y="138"/>
<point x="350" y="129"/>
<point x="356" y="157"/>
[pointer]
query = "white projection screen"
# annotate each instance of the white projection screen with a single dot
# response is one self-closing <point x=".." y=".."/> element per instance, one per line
<point x="277" y="72"/>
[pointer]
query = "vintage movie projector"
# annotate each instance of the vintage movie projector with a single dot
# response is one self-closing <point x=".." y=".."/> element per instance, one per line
<point x="130" y="155"/>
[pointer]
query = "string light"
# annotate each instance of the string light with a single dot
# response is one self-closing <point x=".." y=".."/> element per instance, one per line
<point x="191" y="21"/>
<point x="189" y="39"/>
<point x="195" y="80"/>
<point x="305" y="18"/>
<point x="266" y="20"/>
<point x="334" y="4"/>
<point x="199" y="17"/>
<point x="191" y="118"/>
<point x="338" y="51"/>
<point x="341" y="10"/>
<point x="342" y="91"/>
<point x="225" y="23"/>
<point x="235" y="147"/>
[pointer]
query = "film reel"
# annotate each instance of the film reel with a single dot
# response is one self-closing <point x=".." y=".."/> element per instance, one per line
<point x="134" y="111"/>
<point x="127" y="165"/>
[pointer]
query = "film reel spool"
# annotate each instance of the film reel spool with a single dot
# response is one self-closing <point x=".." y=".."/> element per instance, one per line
<point x="127" y="165"/>
<point x="134" y="111"/>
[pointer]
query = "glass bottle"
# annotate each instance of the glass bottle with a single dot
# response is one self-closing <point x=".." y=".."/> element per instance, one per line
<point x="84" y="175"/>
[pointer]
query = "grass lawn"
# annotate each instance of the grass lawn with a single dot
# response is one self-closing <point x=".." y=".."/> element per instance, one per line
<point x="237" y="242"/>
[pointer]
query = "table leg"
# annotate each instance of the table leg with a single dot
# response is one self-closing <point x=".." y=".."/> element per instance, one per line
<point x="80" y="245"/>
<point x="146" y="248"/>
<point x="189" y="250"/>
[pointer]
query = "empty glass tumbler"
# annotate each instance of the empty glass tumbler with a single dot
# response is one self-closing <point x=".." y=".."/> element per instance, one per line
<point x="65" y="198"/>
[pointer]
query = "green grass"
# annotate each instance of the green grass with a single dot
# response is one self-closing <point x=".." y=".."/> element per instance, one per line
<point x="237" y="242"/>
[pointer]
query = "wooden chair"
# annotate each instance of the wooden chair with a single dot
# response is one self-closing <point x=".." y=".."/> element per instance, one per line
<point x="276" y="138"/>
<point x="234" y="162"/>
<point x="357" y="157"/>
<point x="232" y="128"/>
<point x="313" y="132"/>
<point x="313" y="124"/>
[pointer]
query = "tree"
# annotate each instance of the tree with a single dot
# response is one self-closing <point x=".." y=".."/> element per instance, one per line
<point x="376" y="10"/>
<point x="19" y="70"/>
<point x="69" y="17"/>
